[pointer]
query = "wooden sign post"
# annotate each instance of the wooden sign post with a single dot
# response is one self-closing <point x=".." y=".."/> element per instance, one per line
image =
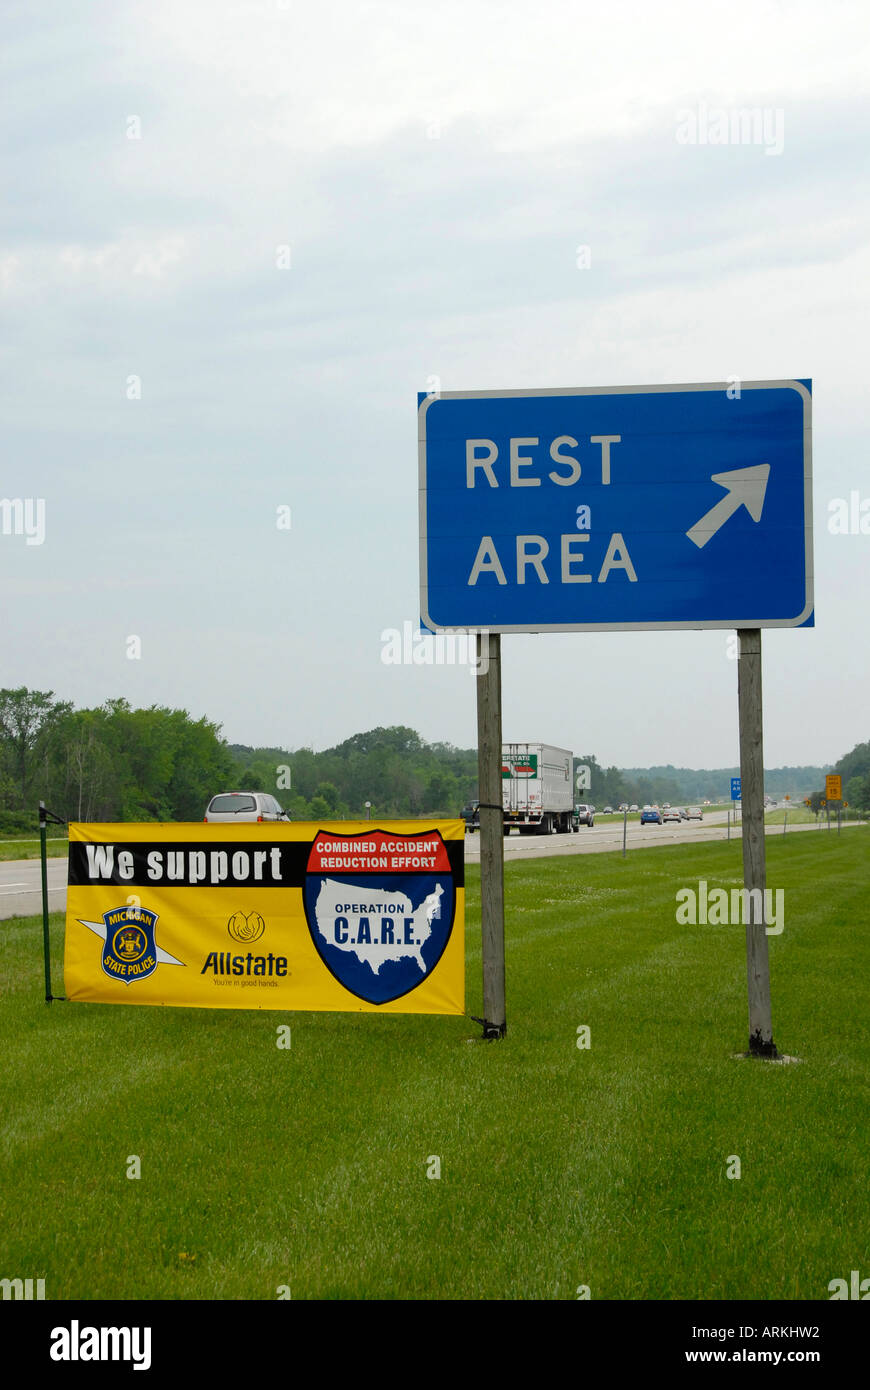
<point x="491" y="832"/>
<point x="689" y="483"/>
<point x="761" y="1042"/>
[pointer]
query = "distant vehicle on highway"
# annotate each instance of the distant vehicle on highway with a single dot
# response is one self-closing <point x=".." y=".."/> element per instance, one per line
<point x="584" y="815"/>
<point x="234" y="807"/>
<point x="684" y="815"/>
<point x="651" y="816"/>
<point x="624" y="806"/>
<point x="471" y="815"/>
<point x="608" y="811"/>
<point x="634" y="807"/>
<point x="694" y="813"/>
<point x="672" y="813"/>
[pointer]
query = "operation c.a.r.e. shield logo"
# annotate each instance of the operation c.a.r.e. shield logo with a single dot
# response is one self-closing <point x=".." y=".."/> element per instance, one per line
<point x="130" y="951"/>
<point x="380" y="909"/>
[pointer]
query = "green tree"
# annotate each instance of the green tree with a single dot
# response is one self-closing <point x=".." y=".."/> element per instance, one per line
<point x="328" y="793"/>
<point x="118" y="763"/>
<point x="27" y="718"/>
<point x="854" y="764"/>
<point x="84" y="776"/>
<point x="857" y="793"/>
<point x="201" y="765"/>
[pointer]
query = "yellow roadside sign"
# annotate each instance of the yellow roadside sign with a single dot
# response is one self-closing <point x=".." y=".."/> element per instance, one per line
<point x="834" y="786"/>
<point x="335" y="915"/>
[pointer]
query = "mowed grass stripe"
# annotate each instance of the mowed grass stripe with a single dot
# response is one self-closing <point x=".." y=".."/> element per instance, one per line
<point x="560" y="1167"/>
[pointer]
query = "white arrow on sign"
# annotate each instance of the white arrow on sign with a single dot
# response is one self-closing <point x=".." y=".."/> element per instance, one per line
<point x="746" y="487"/>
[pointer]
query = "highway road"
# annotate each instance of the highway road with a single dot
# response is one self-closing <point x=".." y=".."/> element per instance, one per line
<point x="21" y="887"/>
<point x="21" y="893"/>
<point x="606" y="834"/>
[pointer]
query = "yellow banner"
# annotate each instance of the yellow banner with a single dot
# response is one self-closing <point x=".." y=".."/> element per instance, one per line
<point x="341" y="915"/>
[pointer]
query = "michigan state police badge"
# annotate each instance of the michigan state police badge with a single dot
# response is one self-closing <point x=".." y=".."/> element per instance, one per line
<point x="130" y="951"/>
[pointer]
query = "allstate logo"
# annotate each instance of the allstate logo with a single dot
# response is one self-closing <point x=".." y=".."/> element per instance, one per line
<point x="131" y="951"/>
<point x="246" y="929"/>
<point x="380" y="909"/>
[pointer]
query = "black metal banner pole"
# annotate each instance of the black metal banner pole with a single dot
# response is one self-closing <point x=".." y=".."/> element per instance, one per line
<point x="44" y="817"/>
<point x="45" y="941"/>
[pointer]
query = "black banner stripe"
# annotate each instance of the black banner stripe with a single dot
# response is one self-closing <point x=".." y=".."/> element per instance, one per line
<point x="291" y="863"/>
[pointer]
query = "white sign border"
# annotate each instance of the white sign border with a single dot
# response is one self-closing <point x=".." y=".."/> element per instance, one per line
<point x="693" y="625"/>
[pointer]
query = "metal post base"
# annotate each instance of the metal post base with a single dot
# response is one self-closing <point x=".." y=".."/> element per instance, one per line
<point x="757" y="1048"/>
<point x="491" y="1031"/>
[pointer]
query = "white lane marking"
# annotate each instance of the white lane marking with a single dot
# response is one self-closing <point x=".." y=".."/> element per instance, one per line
<point x="15" y="892"/>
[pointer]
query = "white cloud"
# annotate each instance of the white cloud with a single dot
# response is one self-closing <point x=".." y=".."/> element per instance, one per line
<point x="351" y="74"/>
<point x="120" y="260"/>
<point x="271" y="123"/>
<point x="8" y="266"/>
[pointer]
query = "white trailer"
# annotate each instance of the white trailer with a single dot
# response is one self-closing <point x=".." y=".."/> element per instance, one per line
<point x="537" y="788"/>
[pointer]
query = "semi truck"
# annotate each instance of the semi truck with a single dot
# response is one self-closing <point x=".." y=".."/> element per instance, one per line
<point x="537" y="788"/>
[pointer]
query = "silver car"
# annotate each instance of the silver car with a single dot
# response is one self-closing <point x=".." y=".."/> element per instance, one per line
<point x="232" y="807"/>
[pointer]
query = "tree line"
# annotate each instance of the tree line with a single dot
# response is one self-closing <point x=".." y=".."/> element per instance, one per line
<point x="854" y="769"/>
<point x="112" y="763"/>
<point x="115" y="763"/>
<point x="393" y="768"/>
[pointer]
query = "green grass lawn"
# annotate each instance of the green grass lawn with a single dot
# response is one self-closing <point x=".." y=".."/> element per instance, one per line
<point x="22" y="847"/>
<point x="797" y="815"/>
<point x="559" y="1167"/>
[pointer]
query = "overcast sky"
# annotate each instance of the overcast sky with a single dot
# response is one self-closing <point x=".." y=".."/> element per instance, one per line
<point x="238" y="238"/>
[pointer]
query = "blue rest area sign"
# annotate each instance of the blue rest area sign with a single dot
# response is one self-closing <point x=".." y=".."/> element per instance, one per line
<point x="617" y="508"/>
<point x="735" y="788"/>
